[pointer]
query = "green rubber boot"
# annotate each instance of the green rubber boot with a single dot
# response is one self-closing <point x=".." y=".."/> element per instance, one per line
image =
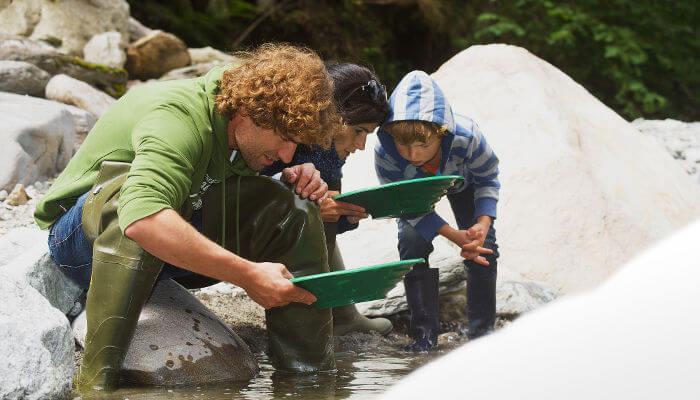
<point x="347" y="319"/>
<point x="123" y="275"/>
<point x="266" y="221"/>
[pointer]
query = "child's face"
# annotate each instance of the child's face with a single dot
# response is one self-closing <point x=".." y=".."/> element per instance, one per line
<point x="419" y="153"/>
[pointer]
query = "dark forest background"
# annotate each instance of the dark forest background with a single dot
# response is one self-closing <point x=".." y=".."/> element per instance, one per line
<point x="639" y="57"/>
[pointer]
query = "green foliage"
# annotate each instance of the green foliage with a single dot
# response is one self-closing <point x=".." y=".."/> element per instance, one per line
<point x="638" y="57"/>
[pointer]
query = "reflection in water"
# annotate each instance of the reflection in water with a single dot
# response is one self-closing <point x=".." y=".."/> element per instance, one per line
<point x="360" y="375"/>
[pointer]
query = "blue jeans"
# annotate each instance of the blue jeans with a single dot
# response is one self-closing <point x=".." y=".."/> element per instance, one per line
<point x="413" y="245"/>
<point x="72" y="252"/>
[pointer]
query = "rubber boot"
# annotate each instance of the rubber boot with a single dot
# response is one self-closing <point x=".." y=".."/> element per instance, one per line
<point x="481" y="297"/>
<point x="347" y="319"/>
<point x="123" y="275"/>
<point x="422" y="297"/>
<point x="266" y="221"/>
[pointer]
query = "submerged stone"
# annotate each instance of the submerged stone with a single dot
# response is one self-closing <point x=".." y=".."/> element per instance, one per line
<point x="178" y="341"/>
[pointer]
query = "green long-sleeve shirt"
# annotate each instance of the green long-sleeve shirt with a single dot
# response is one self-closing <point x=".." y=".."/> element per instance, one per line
<point x="173" y="137"/>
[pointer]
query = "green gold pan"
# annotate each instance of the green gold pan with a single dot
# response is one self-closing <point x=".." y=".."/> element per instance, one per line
<point x="340" y="288"/>
<point x="412" y="197"/>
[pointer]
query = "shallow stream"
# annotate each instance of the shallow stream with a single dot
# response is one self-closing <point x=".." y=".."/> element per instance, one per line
<point x="361" y="374"/>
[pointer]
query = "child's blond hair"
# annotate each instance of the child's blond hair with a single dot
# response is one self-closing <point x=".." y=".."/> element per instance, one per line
<point x="412" y="131"/>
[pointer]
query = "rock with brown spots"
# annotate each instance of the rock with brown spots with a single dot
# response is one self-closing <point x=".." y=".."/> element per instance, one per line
<point x="155" y="54"/>
<point x="178" y="341"/>
<point x="18" y="196"/>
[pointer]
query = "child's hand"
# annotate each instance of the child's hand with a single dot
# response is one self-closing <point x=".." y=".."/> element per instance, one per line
<point x="331" y="209"/>
<point x="473" y="246"/>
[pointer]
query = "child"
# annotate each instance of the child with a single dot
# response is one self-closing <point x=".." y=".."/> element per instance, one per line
<point x="423" y="138"/>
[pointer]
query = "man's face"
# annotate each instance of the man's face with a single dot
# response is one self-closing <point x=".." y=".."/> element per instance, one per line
<point x="259" y="147"/>
<point x="418" y="153"/>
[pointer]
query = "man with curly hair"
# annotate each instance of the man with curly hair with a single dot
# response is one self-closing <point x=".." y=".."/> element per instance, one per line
<point x="166" y="186"/>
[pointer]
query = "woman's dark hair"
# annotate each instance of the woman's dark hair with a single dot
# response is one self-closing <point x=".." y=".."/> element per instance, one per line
<point x="358" y="93"/>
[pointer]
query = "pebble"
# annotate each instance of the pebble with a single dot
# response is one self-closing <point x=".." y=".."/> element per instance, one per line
<point x="3" y="195"/>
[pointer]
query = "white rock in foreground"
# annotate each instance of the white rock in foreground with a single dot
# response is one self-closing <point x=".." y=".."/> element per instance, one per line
<point x="635" y="337"/>
<point x="582" y="190"/>
<point x="36" y="360"/>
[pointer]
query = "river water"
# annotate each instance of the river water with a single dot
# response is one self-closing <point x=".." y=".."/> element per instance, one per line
<point x="361" y="374"/>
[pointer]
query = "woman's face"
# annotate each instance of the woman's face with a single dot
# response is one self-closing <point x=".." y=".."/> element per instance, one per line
<point x="352" y="137"/>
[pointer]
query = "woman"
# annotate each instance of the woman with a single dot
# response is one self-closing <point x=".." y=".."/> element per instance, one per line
<point x="363" y="105"/>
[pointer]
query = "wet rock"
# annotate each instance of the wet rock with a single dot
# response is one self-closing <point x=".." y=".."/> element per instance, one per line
<point x="18" y="196"/>
<point x="178" y="341"/>
<point x="18" y="48"/>
<point x="22" y="78"/>
<point x="66" y="24"/>
<point x="24" y="255"/>
<point x="37" y="358"/>
<point x="155" y="54"/>
<point x="38" y="137"/>
<point x="67" y="90"/>
<point x="107" y="49"/>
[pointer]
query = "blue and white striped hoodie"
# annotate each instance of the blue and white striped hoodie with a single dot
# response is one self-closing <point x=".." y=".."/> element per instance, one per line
<point x="464" y="149"/>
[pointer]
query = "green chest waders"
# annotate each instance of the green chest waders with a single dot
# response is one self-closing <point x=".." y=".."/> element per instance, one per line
<point x="123" y="275"/>
<point x="266" y="221"/>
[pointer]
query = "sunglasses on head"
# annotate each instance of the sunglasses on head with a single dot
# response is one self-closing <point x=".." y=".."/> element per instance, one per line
<point x="374" y="90"/>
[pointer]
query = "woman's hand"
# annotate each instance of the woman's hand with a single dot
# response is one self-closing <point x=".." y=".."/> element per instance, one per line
<point x="331" y="210"/>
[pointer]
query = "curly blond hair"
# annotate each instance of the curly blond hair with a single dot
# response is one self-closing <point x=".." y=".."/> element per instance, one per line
<point x="284" y="88"/>
<point x="412" y="131"/>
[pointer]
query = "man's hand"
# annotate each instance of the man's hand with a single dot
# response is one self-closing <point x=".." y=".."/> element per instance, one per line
<point x="269" y="286"/>
<point x="331" y="209"/>
<point x="308" y="181"/>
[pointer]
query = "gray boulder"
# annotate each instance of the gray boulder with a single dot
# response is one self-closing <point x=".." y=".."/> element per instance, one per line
<point x="24" y="255"/>
<point x="38" y="139"/>
<point x="22" y="78"/>
<point x="67" y="90"/>
<point x="18" y="48"/>
<point x="108" y="49"/>
<point x="66" y="24"/>
<point x="178" y="341"/>
<point x="38" y="352"/>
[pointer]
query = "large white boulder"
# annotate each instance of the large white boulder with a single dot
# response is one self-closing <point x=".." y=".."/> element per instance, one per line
<point x="38" y="138"/>
<point x="582" y="190"/>
<point x="67" y="24"/>
<point x="37" y="354"/>
<point x="635" y="336"/>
